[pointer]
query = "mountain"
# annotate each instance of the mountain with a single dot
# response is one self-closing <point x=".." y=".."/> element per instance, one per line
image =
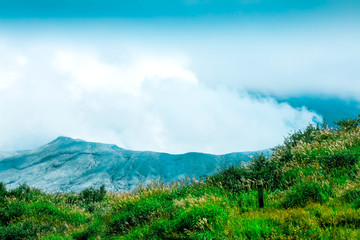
<point x="8" y="154"/>
<point x="71" y="165"/>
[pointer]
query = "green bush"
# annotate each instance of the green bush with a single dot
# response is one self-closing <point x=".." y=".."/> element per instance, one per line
<point x="351" y="195"/>
<point x="72" y="199"/>
<point x="92" y="195"/>
<point x="49" y="211"/>
<point x="264" y="171"/>
<point x="134" y="214"/>
<point x="348" y="124"/>
<point x="162" y="229"/>
<point x="56" y="237"/>
<point x="20" y="231"/>
<point x="46" y="209"/>
<point x="84" y="234"/>
<point x="13" y="211"/>
<point x="75" y="218"/>
<point x="247" y="200"/>
<point x="207" y="217"/>
<point x="341" y="160"/>
<point x="255" y="229"/>
<point x="307" y="135"/>
<point x="356" y="203"/>
<point x="239" y="178"/>
<point x="230" y="178"/>
<point x="91" y="232"/>
<point x="3" y="192"/>
<point x="24" y="192"/>
<point x="21" y="192"/>
<point x="15" y="232"/>
<point x="305" y="192"/>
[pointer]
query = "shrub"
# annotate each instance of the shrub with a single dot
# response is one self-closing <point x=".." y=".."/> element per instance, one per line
<point x="207" y="217"/>
<point x="91" y="232"/>
<point x="254" y="229"/>
<point x="20" y="231"/>
<point x="3" y="192"/>
<point x="12" y="211"/>
<point x="92" y="195"/>
<point x="341" y="165"/>
<point x="20" y="192"/>
<point x="351" y="195"/>
<point x="76" y="218"/>
<point x="340" y="160"/>
<point x="162" y="229"/>
<point x="46" y="209"/>
<point x="52" y="212"/>
<point x="71" y="199"/>
<point x="57" y="237"/>
<point x="84" y="234"/>
<point x="239" y="178"/>
<point x="247" y="200"/>
<point x="264" y="170"/>
<point x="15" y="232"/>
<point x="230" y="178"/>
<point x="289" y="177"/>
<point x="24" y="192"/>
<point x="348" y="124"/>
<point x="305" y="192"/>
<point x="135" y="213"/>
<point x="356" y="203"/>
<point x="283" y="152"/>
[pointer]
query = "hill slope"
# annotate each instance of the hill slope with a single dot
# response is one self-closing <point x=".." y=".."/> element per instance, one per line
<point x="69" y="165"/>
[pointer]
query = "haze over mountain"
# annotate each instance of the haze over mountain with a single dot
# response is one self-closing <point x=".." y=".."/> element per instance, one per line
<point x="71" y="165"/>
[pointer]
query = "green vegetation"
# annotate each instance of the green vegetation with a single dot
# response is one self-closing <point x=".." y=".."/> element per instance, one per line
<point x="312" y="191"/>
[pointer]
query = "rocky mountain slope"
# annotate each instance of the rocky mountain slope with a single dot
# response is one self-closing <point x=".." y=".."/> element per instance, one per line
<point x="70" y="165"/>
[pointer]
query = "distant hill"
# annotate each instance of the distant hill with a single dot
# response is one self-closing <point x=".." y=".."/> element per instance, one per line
<point x="71" y="165"/>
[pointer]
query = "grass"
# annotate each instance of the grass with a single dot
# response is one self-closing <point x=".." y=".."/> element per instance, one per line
<point x="312" y="191"/>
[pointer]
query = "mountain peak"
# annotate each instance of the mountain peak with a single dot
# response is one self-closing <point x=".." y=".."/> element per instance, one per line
<point x="64" y="139"/>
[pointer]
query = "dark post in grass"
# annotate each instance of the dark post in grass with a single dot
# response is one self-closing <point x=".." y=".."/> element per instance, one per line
<point x="261" y="196"/>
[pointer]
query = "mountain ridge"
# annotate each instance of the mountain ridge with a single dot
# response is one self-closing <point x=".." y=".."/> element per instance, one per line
<point x="71" y="165"/>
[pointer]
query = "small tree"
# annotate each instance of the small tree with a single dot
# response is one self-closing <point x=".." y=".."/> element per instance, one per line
<point x="3" y="192"/>
<point x="348" y="124"/>
<point x="92" y="195"/>
<point x="263" y="170"/>
<point x="283" y="152"/>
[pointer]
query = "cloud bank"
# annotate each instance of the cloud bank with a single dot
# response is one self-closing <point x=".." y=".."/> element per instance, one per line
<point x="291" y="61"/>
<point x="141" y="100"/>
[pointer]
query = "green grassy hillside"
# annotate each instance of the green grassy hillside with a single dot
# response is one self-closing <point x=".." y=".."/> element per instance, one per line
<point x="312" y="190"/>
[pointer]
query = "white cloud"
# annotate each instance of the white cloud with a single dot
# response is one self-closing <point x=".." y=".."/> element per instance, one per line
<point x="145" y="102"/>
<point x="282" y="62"/>
<point x="21" y="60"/>
<point x="88" y="73"/>
<point x="8" y="67"/>
<point x="7" y="79"/>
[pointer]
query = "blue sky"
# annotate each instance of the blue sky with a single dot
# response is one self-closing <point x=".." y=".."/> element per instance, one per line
<point x="164" y="8"/>
<point x="175" y="76"/>
<point x="159" y="8"/>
